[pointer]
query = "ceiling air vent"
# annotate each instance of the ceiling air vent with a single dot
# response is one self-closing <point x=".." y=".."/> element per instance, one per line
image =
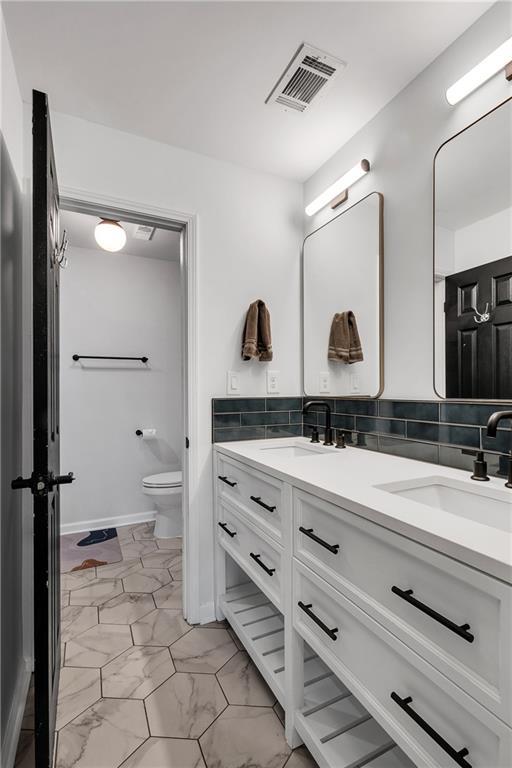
<point x="309" y="74"/>
<point x="143" y="232"/>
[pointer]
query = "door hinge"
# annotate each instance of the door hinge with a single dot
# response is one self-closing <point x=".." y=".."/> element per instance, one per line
<point x="187" y="443"/>
<point x="41" y="485"/>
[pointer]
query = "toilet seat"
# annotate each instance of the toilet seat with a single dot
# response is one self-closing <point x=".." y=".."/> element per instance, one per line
<point x="163" y="480"/>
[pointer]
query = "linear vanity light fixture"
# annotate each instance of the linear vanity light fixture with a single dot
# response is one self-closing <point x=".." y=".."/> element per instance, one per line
<point x="337" y="193"/>
<point x="487" y="68"/>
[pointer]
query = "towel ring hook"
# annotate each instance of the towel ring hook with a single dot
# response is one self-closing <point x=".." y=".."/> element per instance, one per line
<point x="484" y="316"/>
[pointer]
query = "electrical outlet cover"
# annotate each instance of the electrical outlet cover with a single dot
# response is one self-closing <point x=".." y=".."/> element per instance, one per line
<point x="272" y="382"/>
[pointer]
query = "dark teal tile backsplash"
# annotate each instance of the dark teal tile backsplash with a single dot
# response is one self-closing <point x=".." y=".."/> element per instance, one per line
<point x="424" y="430"/>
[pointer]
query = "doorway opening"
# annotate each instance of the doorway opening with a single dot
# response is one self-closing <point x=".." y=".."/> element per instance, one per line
<point x="137" y="302"/>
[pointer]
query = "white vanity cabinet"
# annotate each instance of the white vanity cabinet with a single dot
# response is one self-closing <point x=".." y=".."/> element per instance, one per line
<point x="382" y="651"/>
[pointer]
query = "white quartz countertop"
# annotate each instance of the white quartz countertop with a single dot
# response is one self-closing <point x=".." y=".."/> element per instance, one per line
<point x="348" y="477"/>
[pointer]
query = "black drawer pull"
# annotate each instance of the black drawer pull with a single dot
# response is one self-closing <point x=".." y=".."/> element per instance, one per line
<point x="333" y="633"/>
<point x="225" y="528"/>
<point x="460" y="630"/>
<point x="257" y="500"/>
<point x="334" y="548"/>
<point x="268" y="570"/>
<point x="225" y="480"/>
<point x="457" y="755"/>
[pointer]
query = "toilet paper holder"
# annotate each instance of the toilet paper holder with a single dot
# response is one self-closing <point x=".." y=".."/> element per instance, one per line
<point x="146" y="433"/>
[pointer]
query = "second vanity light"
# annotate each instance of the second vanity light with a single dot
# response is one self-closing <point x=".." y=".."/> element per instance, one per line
<point x="338" y="189"/>
<point x="483" y="71"/>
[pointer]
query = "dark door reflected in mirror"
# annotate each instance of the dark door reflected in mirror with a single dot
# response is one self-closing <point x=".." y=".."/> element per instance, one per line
<point x="473" y="260"/>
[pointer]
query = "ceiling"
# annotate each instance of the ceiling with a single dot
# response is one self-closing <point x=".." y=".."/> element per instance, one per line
<point x="196" y="74"/>
<point x="473" y="178"/>
<point x="165" y="244"/>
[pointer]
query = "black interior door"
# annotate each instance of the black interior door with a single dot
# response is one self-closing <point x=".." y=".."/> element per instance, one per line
<point x="479" y="349"/>
<point x="45" y="480"/>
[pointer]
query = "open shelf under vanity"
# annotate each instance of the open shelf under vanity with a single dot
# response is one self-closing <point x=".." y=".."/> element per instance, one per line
<point x="335" y="727"/>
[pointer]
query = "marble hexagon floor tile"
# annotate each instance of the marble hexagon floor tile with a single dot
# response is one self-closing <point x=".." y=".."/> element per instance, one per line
<point x="124" y="533"/>
<point x="160" y="627"/>
<point x="243" y="684"/>
<point x="166" y="753"/>
<point x="203" y="650"/>
<point x="132" y="549"/>
<point x="137" y="672"/>
<point x="75" y="619"/>
<point x="97" y="592"/>
<point x="77" y="579"/>
<point x="162" y="559"/>
<point x="175" y="543"/>
<point x="169" y="596"/>
<point x="126" y="608"/>
<point x="300" y="758"/>
<point x="98" y="645"/>
<point x="184" y="706"/>
<point x="119" y="570"/>
<point x="245" y="736"/>
<point x="143" y="531"/>
<point x="78" y="689"/>
<point x="146" y="580"/>
<point x="103" y="736"/>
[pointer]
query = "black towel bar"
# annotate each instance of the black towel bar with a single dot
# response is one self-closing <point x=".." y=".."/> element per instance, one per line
<point x="108" y="357"/>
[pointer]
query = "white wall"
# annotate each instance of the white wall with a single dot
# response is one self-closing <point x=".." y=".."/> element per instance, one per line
<point x="249" y="237"/>
<point x="483" y="241"/>
<point x="117" y="304"/>
<point x="15" y="507"/>
<point x="401" y="142"/>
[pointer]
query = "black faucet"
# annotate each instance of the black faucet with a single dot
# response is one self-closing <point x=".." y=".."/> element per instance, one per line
<point x="492" y="426"/>
<point x="327" y="407"/>
<point x="494" y="420"/>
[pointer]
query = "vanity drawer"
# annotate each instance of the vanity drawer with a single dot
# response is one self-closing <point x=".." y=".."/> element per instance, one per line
<point x="259" y="495"/>
<point x="377" y="569"/>
<point x="253" y="550"/>
<point x="384" y="673"/>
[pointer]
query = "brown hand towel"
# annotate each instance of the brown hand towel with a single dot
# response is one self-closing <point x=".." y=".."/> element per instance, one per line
<point x="344" y="341"/>
<point x="257" y="337"/>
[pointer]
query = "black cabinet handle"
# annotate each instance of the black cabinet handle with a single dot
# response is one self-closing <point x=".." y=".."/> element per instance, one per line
<point x="460" y="630"/>
<point x="257" y="500"/>
<point x="268" y="570"/>
<point x="333" y="633"/>
<point x="334" y="548"/>
<point x="225" y="480"/>
<point x="457" y="755"/>
<point x="225" y="528"/>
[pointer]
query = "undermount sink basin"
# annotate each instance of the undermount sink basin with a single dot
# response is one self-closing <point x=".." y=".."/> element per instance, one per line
<point x="485" y="505"/>
<point x="292" y="451"/>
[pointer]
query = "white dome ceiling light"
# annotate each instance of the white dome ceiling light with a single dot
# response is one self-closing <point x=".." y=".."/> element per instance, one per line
<point x="110" y="235"/>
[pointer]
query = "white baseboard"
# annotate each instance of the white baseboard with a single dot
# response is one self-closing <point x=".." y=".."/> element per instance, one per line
<point x="13" y="727"/>
<point x="107" y="522"/>
<point x="207" y="613"/>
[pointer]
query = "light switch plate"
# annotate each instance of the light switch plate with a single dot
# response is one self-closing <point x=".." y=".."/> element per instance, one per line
<point x="233" y="383"/>
<point x="323" y="382"/>
<point x="272" y="382"/>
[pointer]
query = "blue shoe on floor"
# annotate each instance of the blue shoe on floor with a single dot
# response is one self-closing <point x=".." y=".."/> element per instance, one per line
<point x="97" y="537"/>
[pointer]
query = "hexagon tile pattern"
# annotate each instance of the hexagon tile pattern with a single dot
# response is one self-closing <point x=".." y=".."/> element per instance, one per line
<point x="141" y="688"/>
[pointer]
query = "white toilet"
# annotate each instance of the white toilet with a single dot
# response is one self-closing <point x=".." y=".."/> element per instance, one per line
<point x="165" y="491"/>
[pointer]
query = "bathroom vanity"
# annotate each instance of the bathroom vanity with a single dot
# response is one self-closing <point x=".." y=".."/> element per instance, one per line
<point x="374" y="594"/>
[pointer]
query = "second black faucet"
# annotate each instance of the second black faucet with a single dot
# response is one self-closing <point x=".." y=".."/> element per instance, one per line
<point x="325" y="405"/>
